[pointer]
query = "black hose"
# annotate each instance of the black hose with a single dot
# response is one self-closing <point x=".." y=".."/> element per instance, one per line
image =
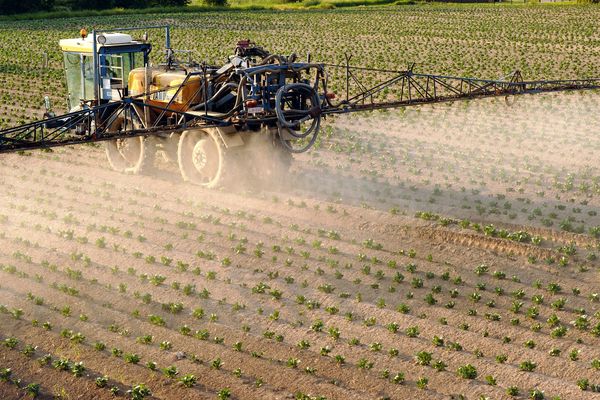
<point x="297" y="89"/>
<point x="214" y="97"/>
<point x="270" y="58"/>
<point x="290" y="148"/>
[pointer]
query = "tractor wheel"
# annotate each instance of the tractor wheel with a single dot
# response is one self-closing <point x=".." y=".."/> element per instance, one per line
<point x="133" y="155"/>
<point x="201" y="157"/>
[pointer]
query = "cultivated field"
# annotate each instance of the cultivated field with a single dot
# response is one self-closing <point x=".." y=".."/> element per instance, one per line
<point x="438" y="252"/>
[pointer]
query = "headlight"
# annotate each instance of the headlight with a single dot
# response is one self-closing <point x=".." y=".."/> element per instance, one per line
<point x="101" y="39"/>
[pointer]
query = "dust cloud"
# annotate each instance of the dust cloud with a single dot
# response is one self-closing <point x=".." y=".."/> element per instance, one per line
<point x="534" y="162"/>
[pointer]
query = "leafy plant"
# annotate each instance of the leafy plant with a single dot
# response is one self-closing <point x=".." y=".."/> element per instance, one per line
<point x="101" y="381"/>
<point x="512" y="391"/>
<point x="188" y="380"/>
<point x="398" y="378"/>
<point x="5" y="374"/>
<point x="224" y="394"/>
<point x="33" y="390"/>
<point x="423" y="358"/>
<point x="527" y="366"/>
<point x="412" y="331"/>
<point x="439" y="365"/>
<point x="131" y="358"/>
<point x="467" y="371"/>
<point x="170" y="371"/>
<point x="139" y="392"/>
<point x="77" y="369"/>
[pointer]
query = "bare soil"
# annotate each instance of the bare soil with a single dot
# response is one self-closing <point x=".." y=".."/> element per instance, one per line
<point x="265" y="292"/>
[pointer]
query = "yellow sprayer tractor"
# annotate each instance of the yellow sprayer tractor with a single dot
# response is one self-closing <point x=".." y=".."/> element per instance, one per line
<point x="257" y="109"/>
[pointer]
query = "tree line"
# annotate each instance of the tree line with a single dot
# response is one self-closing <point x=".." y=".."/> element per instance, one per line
<point x="8" y="7"/>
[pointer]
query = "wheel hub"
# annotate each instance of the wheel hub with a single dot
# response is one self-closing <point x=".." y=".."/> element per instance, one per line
<point x="200" y="156"/>
<point x="122" y="145"/>
<point x="129" y="149"/>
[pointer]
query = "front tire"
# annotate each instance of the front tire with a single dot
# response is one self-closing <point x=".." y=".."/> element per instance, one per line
<point x="201" y="158"/>
<point x="134" y="155"/>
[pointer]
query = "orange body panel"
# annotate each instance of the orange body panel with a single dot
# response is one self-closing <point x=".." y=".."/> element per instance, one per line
<point x="164" y="86"/>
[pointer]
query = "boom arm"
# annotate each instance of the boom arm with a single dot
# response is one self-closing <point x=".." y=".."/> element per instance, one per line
<point x="398" y="88"/>
<point x="414" y="89"/>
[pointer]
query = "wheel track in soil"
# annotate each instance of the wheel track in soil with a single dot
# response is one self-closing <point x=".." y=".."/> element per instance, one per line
<point x="490" y="244"/>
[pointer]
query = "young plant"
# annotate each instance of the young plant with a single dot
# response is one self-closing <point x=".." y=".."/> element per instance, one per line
<point x="101" y="381"/>
<point x="188" y="380"/>
<point x="439" y="365"/>
<point x="170" y="371"/>
<point x="139" y="392"/>
<point x="5" y="374"/>
<point x="423" y="358"/>
<point x="527" y="366"/>
<point x="467" y="371"/>
<point x="131" y="358"/>
<point x="33" y="390"/>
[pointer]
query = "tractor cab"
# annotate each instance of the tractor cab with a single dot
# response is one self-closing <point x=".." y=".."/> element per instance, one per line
<point x="97" y="66"/>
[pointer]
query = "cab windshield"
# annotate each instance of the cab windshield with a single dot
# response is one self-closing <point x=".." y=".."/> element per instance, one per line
<point x="114" y="73"/>
<point x="79" y="71"/>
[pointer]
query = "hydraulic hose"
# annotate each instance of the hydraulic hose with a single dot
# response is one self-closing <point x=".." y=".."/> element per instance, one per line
<point x="313" y="113"/>
<point x="230" y="85"/>
<point x="289" y="147"/>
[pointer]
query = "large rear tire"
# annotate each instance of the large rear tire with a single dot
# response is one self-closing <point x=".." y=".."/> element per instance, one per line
<point x="133" y="155"/>
<point x="202" y="158"/>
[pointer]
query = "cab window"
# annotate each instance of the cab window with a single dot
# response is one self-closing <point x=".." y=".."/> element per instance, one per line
<point x="79" y="71"/>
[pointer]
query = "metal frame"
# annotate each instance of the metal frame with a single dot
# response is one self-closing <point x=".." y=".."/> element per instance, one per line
<point x="58" y="131"/>
<point x="408" y="89"/>
<point x="414" y="88"/>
